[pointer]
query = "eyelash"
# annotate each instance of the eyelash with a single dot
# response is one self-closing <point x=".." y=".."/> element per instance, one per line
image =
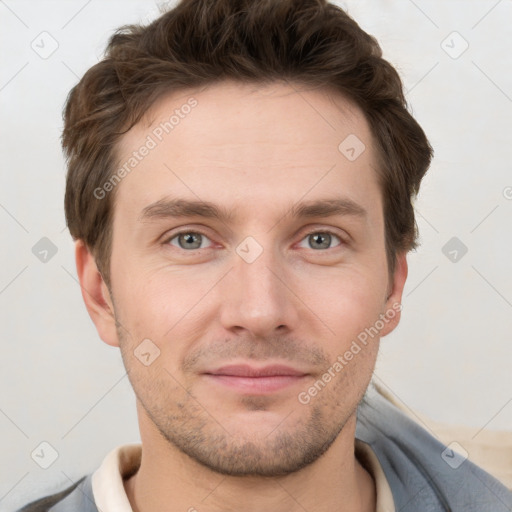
<point x="198" y="232"/>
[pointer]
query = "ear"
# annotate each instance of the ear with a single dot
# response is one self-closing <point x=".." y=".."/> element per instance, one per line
<point x="393" y="304"/>
<point x="96" y="295"/>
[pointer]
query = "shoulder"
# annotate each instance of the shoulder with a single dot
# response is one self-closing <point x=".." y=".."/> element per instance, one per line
<point x="425" y="471"/>
<point x="489" y="449"/>
<point x="74" y="498"/>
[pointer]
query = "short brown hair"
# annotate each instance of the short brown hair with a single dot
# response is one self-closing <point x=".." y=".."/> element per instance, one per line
<point x="200" y="42"/>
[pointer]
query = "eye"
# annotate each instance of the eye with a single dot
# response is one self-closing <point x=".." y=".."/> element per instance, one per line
<point x="321" y="239"/>
<point x="188" y="240"/>
<point x="193" y="240"/>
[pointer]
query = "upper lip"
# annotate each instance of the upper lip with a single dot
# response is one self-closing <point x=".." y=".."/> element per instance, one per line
<point x="245" y="370"/>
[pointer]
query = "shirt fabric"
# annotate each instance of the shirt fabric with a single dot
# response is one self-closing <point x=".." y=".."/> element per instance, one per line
<point x="413" y="471"/>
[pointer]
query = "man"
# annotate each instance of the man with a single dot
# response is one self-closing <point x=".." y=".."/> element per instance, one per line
<point x="240" y="185"/>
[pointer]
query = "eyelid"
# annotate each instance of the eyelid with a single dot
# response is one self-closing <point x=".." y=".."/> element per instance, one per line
<point x="340" y="233"/>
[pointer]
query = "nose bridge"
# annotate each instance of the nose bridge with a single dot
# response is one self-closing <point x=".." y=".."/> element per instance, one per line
<point x="259" y="300"/>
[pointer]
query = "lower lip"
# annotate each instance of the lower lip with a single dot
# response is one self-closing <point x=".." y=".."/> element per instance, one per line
<point x="259" y="385"/>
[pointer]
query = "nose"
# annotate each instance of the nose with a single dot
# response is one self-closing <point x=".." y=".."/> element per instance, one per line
<point x="258" y="297"/>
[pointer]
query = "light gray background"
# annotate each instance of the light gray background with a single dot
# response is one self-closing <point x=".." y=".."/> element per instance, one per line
<point x="451" y="356"/>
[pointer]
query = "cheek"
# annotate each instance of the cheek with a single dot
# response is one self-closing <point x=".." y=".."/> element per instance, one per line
<point x="160" y="302"/>
<point x="165" y="307"/>
<point x="350" y="301"/>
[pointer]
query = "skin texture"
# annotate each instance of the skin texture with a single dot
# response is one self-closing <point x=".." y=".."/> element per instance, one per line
<point x="304" y="299"/>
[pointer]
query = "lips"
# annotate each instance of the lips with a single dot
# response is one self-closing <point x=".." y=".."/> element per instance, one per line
<point x="244" y="370"/>
<point x="247" y="379"/>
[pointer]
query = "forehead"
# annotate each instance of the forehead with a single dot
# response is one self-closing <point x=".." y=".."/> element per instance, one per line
<point x="303" y="115"/>
<point x="235" y="141"/>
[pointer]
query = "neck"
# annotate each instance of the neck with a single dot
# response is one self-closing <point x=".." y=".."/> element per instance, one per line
<point x="169" y="480"/>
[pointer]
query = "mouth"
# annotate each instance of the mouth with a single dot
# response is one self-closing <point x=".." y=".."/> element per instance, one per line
<point x="251" y="380"/>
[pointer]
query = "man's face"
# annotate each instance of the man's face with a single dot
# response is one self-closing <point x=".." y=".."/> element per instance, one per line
<point x="266" y="286"/>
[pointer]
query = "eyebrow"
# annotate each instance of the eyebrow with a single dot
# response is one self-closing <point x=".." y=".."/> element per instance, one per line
<point x="174" y="208"/>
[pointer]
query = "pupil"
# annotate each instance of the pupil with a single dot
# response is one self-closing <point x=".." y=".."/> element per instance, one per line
<point x="319" y="238"/>
<point x="189" y="238"/>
